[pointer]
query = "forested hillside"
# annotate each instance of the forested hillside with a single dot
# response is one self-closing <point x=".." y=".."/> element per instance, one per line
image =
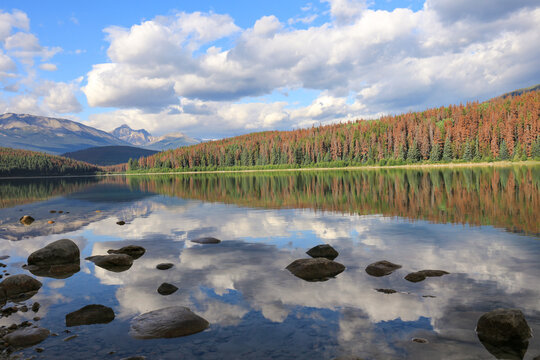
<point x="109" y="155"/>
<point x="499" y="129"/>
<point x="15" y="162"/>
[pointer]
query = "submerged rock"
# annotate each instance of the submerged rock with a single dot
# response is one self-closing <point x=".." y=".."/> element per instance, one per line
<point x="419" y="340"/>
<point x="114" y="262"/>
<point x="206" y="240"/>
<point x="170" y="322"/>
<point x="27" y="336"/>
<point x="134" y="251"/>
<point x="90" y="314"/>
<point x="422" y="274"/>
<point x="387" y="291"/>
<point x="62" y="251"/>
<point x="324" y="251"/>
<point x="20" y="286"/>
<point x="381" y="268"/>
<point x="315" y="269"/>
<point x="504" y="333"/>
<point x="27" y="220"/>
<point x="164" y="266"/>
<point x="166" y="289"/>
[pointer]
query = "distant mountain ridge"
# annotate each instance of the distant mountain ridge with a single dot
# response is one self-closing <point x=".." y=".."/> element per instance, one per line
<point x="51" y="135"/>
<point x="134" y="137"/>
<point x="144" y="139"/>
<point x="109" y="155"/>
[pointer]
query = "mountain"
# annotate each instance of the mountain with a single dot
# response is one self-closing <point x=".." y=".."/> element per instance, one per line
<point x="521" y="91"/>
<point x="134" y="137"/>
<point x="171" y="141"/>
<point x="109" y="155"/>
<point x="51" y="135"/>
<point x="498" y="129"/>
<point x="16" y="162"/>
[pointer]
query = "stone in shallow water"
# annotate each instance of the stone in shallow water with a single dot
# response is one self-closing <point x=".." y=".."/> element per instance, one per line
<point x="324" y="251"/>
<point x="387" y="291"/>
<point x="504" y="333"/>
<point x="90" y="314"/>
<point x="114" y="262"/>
<point x="20" y="284"/>
<point x="423" y="274"/>
<point x="166" y="289"/>
<point x="62" y="271"/>
<point x="27" y="336"/>
<point x="315" y="269"/>
<point x="26" y="220"/>
<point x="134" y="251"/>
<point x="420" y="340"/>
<point x="62" y="251"/>
<point x="170" y="322"/>
<point x="121" y="222"/>
<point x="381" y="268"/>
<point x="206" y="240"/>
<point x="164" y="266"/>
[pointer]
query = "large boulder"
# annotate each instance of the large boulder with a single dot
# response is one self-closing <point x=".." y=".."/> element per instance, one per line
<point x="381" y="268"/>
<point x="134" y="251"/>
<point x="114" y="262"/>
<point x="26" y="336"/>
<point x="59" y="252"/>
<point x="323" y="251"/>
<point x="423" y="274"/>
<point x="170" y="322"/>
<point x="90" y="314"/>
<point x="317" y="269"/>
<point x="206" y="240"/>
<point x="20" y="286"/>
<point x="504" y="333"/>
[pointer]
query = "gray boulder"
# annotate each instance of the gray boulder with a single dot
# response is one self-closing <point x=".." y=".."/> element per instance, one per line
<point x="20" y="286"/>
<point x="324" y="251"/>
<point x="170" y="322"/>
<point x="114" y="262"/>
<point x="134" y="251"/>
<point x="26" y="336"/>
<point x="59" y="252"/>
<point x="317" y="269"/>
<point x="381" y="268"/>
<point x="504" y="333"/>
<point x="206" y="240"/>
<point x="90" y="314"/>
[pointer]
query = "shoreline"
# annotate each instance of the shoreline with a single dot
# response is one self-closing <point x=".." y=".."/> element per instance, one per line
<point x="345" y="168"/>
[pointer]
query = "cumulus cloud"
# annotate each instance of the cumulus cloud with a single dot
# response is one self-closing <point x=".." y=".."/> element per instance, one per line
<point x="48" y="67"/>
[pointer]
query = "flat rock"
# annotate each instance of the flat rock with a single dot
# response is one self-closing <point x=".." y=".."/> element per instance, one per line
<point x="170" y="322"/>
<point x="164" y="266"/>
<point x="27" y="336"/>
<point x="121" y="222"/>
<point x="315" y="269"/>
<point x="324" y="251"/>
<point x="387" y="291"/>
<point x="62" y="251"/>
<point x="206" y="240"/>
<point x="27" y="220"/>
<point x="113" y="262"/>
<point x="423" y="274"/>
<point x="504" y="333"/>
<point x="381" y="268"/>
<point x="166" y="289"/>
<point x="134" y="251"/>
<point x="419" y="340"/>
<point x="18" y="285"/>
<point x="90" y="314"/>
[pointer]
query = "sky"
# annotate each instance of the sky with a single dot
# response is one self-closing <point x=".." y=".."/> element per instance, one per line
<point x="213" y="69"/>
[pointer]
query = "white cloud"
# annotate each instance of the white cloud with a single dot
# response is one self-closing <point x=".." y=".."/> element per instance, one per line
<point x="48" y="67"/>
<point x="8" y="21"/>
<point x="346" y="11"/>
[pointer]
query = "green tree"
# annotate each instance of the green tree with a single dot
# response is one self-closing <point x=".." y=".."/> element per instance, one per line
<point x="435" y="154"/>
<point x="503" y="151"/>
<point x="413" y="155"/>
<point x="447" y="150"/>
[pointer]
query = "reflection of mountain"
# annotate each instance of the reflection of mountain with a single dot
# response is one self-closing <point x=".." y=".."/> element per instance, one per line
<point x="502" y="197"/>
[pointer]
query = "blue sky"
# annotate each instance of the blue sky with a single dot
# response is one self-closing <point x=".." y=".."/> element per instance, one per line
<point x="221" y="68"/>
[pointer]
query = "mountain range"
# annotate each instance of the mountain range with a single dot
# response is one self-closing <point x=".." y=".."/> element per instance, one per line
<point x="59" y="136"/>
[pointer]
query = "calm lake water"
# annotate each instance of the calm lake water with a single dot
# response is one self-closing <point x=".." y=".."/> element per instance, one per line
<point x="481" y="225"/>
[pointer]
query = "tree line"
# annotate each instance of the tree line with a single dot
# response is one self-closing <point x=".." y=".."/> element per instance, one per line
<point x="499" y="129"/>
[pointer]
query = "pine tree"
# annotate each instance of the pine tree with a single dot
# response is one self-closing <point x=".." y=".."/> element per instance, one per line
<point x="447" y="150"/>
<point x="413" y="154"/>
<point x="467" y="154"/>
<point x="503" y="151"/>
<point x="435" y="154"/>
<point x="535" y="149"/>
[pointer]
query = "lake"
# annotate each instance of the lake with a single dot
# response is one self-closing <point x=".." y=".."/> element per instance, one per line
<point x="482" y="225"/>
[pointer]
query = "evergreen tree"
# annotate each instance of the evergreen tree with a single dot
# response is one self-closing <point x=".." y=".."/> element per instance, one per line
<point x="467" y="153"/>
<point x="435" y="154"/>
<point x="447" y="150"/>
<point x="402" y="153"/>
<point x="503" y="151"/>
<point x="414" y="153"/>
<point x="535" y="149"/>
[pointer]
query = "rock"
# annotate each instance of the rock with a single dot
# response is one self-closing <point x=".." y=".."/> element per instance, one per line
<point x="39" y="349"/>
<point x="26" y="336"/>
<point x="422" y="274"/>
<point x="387" y="291"/>
<point x="35" y="307"/>
<point x="170" y="322"/>
<point x="59" y="252"/>
<point x="90" y="314"/>
<point x="164" y="266"/>
<point x="71" y="337"/>
<point x="315" y="269"/>
<point x="121" y="222"/>
<point x="420" y="340"/>
<point x="206" y="240"/>
<point x="27" y="220"/>
<point x="62" y="271"/>
<point x="50" y="222"/>
<point x="134" y="251"/>
<point x="20" y="286"/>
<point x="504" y="333"/>
<point x="166" y="289"/>
<point x="381" y="268"/>
<point x="4" y="257"/>
<point x="114" y="262"/>
<point x="52" y="211"/>
<point x="60" y="211"/>
<point x="324" y="251"/>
